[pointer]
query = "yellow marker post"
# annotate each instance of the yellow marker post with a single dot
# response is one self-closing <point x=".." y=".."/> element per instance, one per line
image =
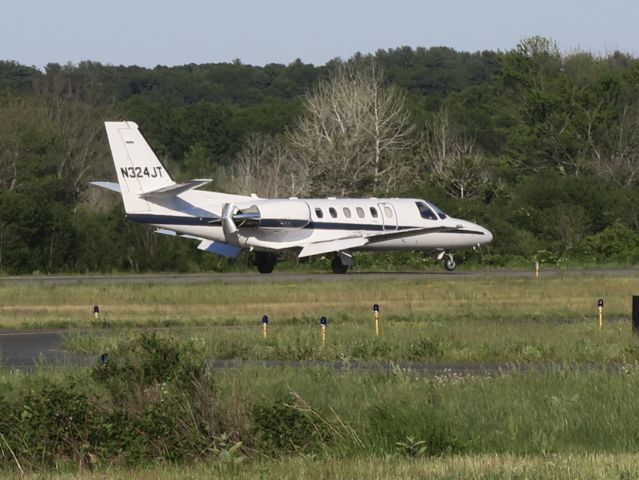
<point x="600" y="305"/>
<point x="376" y="317"/>
<point x="96" y="312"/>
<point x="323" y="323"/>
<point x="265" y="326"/>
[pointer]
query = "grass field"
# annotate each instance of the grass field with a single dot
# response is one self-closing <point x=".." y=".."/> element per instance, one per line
<point x="561" y="423"/>
<point x="436" y="298"/>
<point x="576" y="467"/>
<point x="433" y="319"/>
<point x="326" y="424"/>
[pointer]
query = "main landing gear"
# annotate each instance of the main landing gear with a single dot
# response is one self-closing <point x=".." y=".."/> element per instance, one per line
<point x="264" y="261"/>
<point x="341" y="261"/>
<point x="337" y="266"/>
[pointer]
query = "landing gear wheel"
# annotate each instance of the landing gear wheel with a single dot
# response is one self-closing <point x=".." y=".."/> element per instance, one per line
<point x="449" y="263"/>
<point x="337" y="266"/>
<point x="265" y="261"/>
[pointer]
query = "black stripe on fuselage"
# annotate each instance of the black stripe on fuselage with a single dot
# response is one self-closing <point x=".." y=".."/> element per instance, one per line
<point x="208" y="221"/>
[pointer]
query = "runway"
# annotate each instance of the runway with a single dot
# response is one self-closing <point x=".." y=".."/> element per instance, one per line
<point x="23" y="349"/>
<point x="285" y="277"/>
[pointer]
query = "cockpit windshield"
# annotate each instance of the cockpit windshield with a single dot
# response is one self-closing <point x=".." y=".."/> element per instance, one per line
<point x="425" y="211"/>
<point x="439" y="211"/>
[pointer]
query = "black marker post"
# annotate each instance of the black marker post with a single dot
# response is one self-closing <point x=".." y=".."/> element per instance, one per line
<point x="635" y="314"/>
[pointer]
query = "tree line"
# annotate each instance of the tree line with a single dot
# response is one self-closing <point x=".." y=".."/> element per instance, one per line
<point x="540" y="146"/>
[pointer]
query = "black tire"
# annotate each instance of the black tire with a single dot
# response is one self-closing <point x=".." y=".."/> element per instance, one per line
<point x="338" y="267"/>
<point x="265" y="262"/>
<point x="449" y="264"/>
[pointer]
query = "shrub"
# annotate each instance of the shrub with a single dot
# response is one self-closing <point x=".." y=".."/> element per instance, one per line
<point x="288" y="425"/>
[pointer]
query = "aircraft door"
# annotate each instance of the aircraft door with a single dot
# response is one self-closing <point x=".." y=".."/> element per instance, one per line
<point x="389" y="216"/>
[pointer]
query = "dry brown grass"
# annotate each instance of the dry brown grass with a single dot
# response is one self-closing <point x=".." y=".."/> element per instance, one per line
<point x="576" y="467"/>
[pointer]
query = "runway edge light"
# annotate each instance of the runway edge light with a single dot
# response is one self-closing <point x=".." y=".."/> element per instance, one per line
<point x="323" y="323"/>
<point x="600" y="307"/>
<point x="96" y="312"/>
<point x="265" y="326"/>
<point x="376" y="318"/>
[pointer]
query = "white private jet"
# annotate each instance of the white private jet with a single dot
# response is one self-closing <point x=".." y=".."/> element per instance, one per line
<point x="226" y="224"/>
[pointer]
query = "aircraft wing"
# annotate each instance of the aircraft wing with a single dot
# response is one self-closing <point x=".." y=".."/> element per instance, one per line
<point x="332" y="246"/>
<point x="346" y="243"/>
<point x="221" y="248"/>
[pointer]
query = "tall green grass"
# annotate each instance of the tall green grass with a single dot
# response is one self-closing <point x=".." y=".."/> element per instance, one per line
<point x="154" y="403"/>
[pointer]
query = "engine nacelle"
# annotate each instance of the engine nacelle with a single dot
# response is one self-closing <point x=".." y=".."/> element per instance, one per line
<point x="275" y="214"/>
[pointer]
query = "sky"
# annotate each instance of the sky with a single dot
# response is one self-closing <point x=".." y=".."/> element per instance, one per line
<point x="159" y="32"/>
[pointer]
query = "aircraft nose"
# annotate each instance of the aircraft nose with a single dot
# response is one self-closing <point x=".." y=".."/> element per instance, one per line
<point x="487" y="237"/>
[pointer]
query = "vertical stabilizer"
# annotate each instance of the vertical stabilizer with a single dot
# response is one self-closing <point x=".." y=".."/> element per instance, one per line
<point x="138" y="169"/>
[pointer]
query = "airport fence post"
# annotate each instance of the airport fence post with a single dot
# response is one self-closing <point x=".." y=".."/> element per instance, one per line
<point x="323" y="323"/>
<point x="635" y="314"/>
<point x="265" y="326"/>
<point x="600" y="306"/>
<point x="376" y="317"/>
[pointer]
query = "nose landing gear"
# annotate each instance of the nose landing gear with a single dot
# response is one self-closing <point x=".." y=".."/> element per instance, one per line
<point x="449" y="262"/>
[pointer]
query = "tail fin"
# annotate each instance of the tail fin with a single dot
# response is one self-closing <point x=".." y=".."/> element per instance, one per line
<point x="138" y="169"/>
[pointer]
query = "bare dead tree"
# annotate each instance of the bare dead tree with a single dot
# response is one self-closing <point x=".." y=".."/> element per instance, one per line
<point x="266" y="167"/>
<point x="16" y="123"/>
<point x="75" y="117"/>
<point x="614" y="151"/>
<point x="452" y="158"/>
<point x="355" y="134"/>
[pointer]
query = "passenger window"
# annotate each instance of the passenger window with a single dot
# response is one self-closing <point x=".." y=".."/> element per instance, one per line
<point x="426" y="212"/>
<point x="388" y="211"/>
<point x="360" y="212"/>
<point x="347" y="212"/>
<point x="333" y="212"/>
<point x="374" y="212"/>
<point x="319" y="213"/>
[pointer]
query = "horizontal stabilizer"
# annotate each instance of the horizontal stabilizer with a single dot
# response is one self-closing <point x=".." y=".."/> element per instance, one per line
<point x="175" y="189"/>
<point x="114" y="187"/>
<point x="332" y="246"/>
